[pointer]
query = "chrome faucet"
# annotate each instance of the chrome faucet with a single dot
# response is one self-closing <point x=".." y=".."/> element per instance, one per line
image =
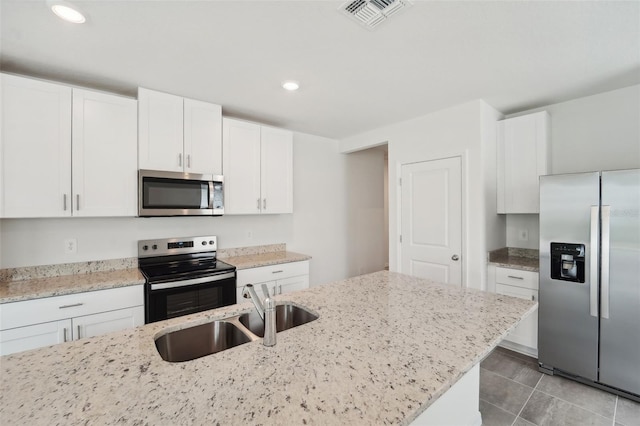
<point x="266" y="310"/>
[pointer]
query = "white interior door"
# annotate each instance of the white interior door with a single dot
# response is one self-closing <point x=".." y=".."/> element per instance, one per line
<point x="431" y="220"/>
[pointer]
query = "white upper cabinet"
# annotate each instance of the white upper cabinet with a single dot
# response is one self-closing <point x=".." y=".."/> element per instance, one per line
<point x="178" y="134"/>
<point x="241" y="166"/>
<point x="51" y="168"/>
<point x="202" y="137"/>
<point x="160" y="143"/>
<point x="523" y="149"/>
<point x="258" y="168"/>
<point x="104" y="154"/>
<point x="276" y="170"/>
<point x="35" y="148"/>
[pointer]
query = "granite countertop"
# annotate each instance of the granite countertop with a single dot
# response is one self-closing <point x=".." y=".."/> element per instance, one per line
<point x="385" y="346"/>
<point x="264" y="259"/>
<point x="515" y="258"/>
<point x="22" y="284"/>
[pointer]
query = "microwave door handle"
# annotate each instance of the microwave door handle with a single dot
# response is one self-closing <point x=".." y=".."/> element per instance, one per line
<point x="211" y="186"/>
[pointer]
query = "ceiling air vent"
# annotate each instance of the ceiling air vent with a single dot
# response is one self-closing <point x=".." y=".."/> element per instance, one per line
<point x="371" y="13"/>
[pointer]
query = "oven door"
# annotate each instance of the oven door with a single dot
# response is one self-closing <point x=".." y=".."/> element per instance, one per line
<point x="166" y="300"/>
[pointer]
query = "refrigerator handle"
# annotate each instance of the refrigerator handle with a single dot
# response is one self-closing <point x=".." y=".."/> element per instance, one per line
<point x="593" y="266"/>
<point x="604" y="263"/>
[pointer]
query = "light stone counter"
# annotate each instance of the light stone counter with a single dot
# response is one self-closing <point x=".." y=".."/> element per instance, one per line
<point x="515" y="258"/>
<point x="257" y="256"/>
<point x="48" y="286"/>
<point x="385" y="347"/>
<point x="264" y="259"/>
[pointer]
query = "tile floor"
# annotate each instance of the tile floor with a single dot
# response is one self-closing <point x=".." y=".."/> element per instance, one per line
<point x="514" y="393"/>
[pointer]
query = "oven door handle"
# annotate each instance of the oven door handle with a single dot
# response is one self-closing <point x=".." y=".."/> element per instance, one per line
<point x="194" y="281"/>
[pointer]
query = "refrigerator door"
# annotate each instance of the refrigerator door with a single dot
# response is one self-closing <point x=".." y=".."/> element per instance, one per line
<point x="568" y="310"/>
<point x="620" y="281"/>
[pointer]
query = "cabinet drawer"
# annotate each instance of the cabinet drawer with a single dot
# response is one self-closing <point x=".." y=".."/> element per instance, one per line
<point x="19" y="314"/>
<point x="519" y="292"/>
<point x="516" y="277"/>
<point x="272" y="272"/>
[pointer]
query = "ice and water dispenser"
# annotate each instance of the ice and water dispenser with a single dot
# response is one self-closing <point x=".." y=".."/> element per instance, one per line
<point x="567" y="262"/>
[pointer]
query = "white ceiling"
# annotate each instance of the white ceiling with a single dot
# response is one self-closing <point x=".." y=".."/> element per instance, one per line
<point x="515" y="55"/>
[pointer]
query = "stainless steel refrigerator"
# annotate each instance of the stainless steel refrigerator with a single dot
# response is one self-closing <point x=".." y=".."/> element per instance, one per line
<point x="589" y="300"/>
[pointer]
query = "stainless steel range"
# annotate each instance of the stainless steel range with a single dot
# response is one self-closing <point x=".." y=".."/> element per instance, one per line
<point x="184" y="276"/>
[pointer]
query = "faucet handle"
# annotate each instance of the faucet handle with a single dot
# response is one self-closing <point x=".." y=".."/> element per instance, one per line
<point x="265" y="290"/>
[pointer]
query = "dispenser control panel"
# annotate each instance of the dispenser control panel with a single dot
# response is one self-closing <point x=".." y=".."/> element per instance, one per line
<point x="567" y="262"/>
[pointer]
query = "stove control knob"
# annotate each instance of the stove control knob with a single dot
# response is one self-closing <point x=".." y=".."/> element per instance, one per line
<point x="155" y="246"/>
<point x="204" y="243"/>
<point x="145" y="247"/>
<point x="211" y="243"/>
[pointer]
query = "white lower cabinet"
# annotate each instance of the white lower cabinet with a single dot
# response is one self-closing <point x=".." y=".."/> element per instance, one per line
<point x="279" y="279"/>
<point x="43" y="322"/>
<point x="523" y="285"/>
<point x="34" y="336"/>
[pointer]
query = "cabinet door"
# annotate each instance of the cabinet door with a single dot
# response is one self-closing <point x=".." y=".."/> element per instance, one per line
<point x="276" y="170"/>
<point x="202" y="137"/>
<point x="34" y="336"/>
<point x="160" y="127"/>
<point x="104" y="154"/>
<point x="526" y="333"/>
<point x="522" y="159"/>
<point x="35" y="148"/>
<point x="288" y="285"/>
<point x="106" y="322"/>
<point x="241" y="166"/>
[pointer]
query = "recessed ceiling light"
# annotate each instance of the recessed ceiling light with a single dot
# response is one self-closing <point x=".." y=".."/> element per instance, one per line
<point x="67" y="11"/>
<point x="291" y="85"/>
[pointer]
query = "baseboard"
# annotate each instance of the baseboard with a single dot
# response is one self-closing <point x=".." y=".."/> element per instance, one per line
<point x="525" y="350"/>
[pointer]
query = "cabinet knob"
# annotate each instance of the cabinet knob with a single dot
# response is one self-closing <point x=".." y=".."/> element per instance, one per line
<point x="455" y="257"/>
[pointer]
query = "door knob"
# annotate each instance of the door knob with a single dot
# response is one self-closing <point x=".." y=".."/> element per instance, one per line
<point x="455" y="257"/>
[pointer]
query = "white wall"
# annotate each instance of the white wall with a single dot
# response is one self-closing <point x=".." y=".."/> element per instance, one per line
<point x="466" y="130"/>
<point x="318" y="226"/>
<point x="599" y="132"/>
<point x="365" y="211"/>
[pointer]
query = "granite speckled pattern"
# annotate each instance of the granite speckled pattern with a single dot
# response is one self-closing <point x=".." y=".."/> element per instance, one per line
<point x="515" y="258"/>
<point x="385" y="346"/>
<point x="45" y="271"/>
<point x="16" y="291"/>
<point x="265" y="259"/>
<point x="245" y="251"/>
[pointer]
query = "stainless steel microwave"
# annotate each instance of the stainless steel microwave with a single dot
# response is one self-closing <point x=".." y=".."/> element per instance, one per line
<point x="179" y="194"/>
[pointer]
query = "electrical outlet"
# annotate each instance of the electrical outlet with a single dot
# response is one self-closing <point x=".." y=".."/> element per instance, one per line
<point x="523" y="234"/>
<point x="249" y="234"/>
<point x="70" y="246"/>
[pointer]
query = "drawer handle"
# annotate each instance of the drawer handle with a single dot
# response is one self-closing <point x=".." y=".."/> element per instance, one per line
<point x="70" y="306"/>
<point x="78" y="331"/>
<point x="277" y="272"/>
<point x="515" y="278"/>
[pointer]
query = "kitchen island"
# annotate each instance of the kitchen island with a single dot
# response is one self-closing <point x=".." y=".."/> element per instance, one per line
<point x="385" y="347"/>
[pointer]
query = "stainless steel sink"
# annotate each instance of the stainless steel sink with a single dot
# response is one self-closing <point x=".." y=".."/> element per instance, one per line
<point x="205" y="339"/>
<point x="198" y="341"/>
<point x="287" y="316"/>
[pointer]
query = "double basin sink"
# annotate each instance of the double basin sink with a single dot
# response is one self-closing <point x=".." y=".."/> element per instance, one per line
<point x="216" y="336"/>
